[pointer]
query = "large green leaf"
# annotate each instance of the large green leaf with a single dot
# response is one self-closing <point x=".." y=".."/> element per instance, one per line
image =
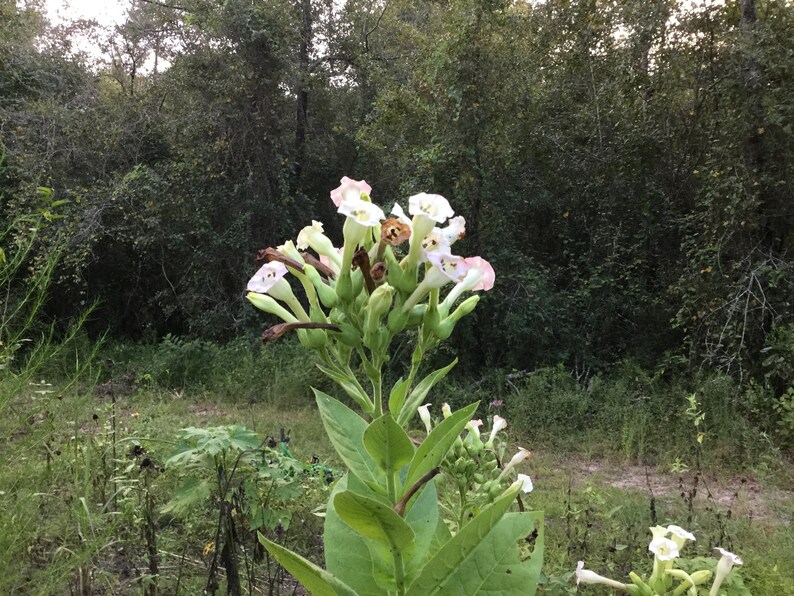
<point x="388" y="444"/>
<point x="346" y="429"/>
<point x="372" y="519"/>
<point x="419" y="393"/>
<point x="315" y="579"/>
<point x="435" y="447"/>
<point x="477" y="559"/>
<point x="347" y="554"/>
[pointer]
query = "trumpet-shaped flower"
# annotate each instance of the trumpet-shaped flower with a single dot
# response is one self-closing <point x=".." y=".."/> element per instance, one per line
<point x="362" y="212"/>
<point x="585" y="576"/>
<point x="726" y="563"/>
<point x="521" y="456"/>
<point x="499" y="423"/>
<point x="664" y="549"/>
<point x="434" y="207"/>
<point x="270" y="280"/>
<point x="526" y="483"/>
<point x="350" y="190"/>
<point x="313" y="236"/>
<point x="424" y="414"/>
<point x="473" y="426"/>
<point x="479" y="276"/>
<point x="267" y="278"/>
<point x="441" y="239"/>
<point x="679" y="535"/>
<point x="659" y="532"/>
<point x="446" y="268"/>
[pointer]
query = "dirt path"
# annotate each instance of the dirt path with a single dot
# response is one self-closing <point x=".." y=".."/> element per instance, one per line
<point x="744" y="496"/>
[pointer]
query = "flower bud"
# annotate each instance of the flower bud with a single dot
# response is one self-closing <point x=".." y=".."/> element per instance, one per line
<point x="324" y="291"/>
<point x="269" y="305"/>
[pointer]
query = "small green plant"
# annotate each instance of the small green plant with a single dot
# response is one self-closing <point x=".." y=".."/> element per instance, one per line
<point x="250" y="483"/>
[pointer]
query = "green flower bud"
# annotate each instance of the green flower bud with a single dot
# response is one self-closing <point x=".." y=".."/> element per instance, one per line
<point x="324" y="291"/>
<point x="415" y="316"/>
<point x="348" y="335"/>
<point x="701" y="577"/>
<point x="313" y="339"/>
<point x="344" y="287"/>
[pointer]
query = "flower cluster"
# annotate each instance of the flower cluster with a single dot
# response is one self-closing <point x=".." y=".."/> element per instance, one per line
<point x="666" y="546"/>
<point x="386" y="277"/>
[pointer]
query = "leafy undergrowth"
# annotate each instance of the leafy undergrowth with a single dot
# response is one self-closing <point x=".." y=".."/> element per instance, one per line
<point x="73" y="519"/>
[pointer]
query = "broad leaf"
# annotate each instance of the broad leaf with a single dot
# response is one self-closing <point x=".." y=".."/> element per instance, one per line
<point x="435" y="447"/>
<point x="191" y="492"/>
<point x="457" y="567"/>
<point x="419" y="393"/>
<point x="372" y="519"/>
<point x="347" y="554"/>
<point x="388" y="444"/>
<point x="315" y="579"/>
<point x="346" y="429"/>
<point x="350" y="388"/>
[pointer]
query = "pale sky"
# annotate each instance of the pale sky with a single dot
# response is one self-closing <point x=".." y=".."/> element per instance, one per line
<point x="106" y="12"/>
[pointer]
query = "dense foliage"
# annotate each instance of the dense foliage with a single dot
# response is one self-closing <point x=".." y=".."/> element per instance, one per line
<point x="626" y="166"/>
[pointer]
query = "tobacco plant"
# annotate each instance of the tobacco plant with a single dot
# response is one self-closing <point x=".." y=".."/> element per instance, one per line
<point x="385" y="532"/>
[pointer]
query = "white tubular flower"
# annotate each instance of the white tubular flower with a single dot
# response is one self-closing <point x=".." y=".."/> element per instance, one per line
<point x="446" y="410"/>
<point x="313" y="236"/>
<point x="434" y="242"/>
<point x="288" y="249"/>
<point x="350" y="190"/>
<point x="727" y="561"/>
<point x="659" y="532"/>
<point x="679" y="535"/>
<point x="270" y="280"/>
<point x="479" y="276"/>
<point x="446" y="268"/>
<point x="499" y="423"/>
<point x="522" y="456"/>
<point x="424" y="414"/>
<point x="267" y="278"/>
<point x="526" y="483"/>
<point x="664" y="549"/>
<point x="585" y="576"/>
<point x="473" y="426"/>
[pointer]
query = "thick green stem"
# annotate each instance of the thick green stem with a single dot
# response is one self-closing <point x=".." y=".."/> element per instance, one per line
<point x="399" y="571"/>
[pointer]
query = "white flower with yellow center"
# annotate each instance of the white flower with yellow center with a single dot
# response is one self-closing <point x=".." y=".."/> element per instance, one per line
<point x="350" y="190"/>
<point x="362" y="212"/>
<point x="270" y="280"/>
<point x="446" y="268"/>
<point x="679" y="535"/>
<point x="664" y="549"/>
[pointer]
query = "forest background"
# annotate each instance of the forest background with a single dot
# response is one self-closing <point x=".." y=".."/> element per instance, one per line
<point x="625" y="166"/>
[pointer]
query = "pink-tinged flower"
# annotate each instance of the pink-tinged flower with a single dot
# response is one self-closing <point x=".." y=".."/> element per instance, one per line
<point x="726" y="563"/>
<point x="526" y="483"/>
<point x="454" y="268"/>
<point x="267" y="277"/>
<point x="424" y="414"/>
<point x="497" y="403"/>
<point x="350" y="190"/>
<point x="446" y="268"/>
<point x="441" y="239"/>
<point x="434" y="207"/>
<point x="585" y="576"/>
<point x="479" y="276"/>
<point x="664" y="549"/>
<point x="499" y="423"/>
<point x="473" y="426"/>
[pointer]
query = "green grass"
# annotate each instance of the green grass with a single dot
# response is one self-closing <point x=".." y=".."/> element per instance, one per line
<point x="61" y="529"/>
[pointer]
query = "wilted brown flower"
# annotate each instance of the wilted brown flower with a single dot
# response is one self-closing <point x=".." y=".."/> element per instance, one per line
<point x="394" y="232"/>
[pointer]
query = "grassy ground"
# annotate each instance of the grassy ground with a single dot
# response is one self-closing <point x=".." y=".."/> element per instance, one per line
<point x="73" y="519"/>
